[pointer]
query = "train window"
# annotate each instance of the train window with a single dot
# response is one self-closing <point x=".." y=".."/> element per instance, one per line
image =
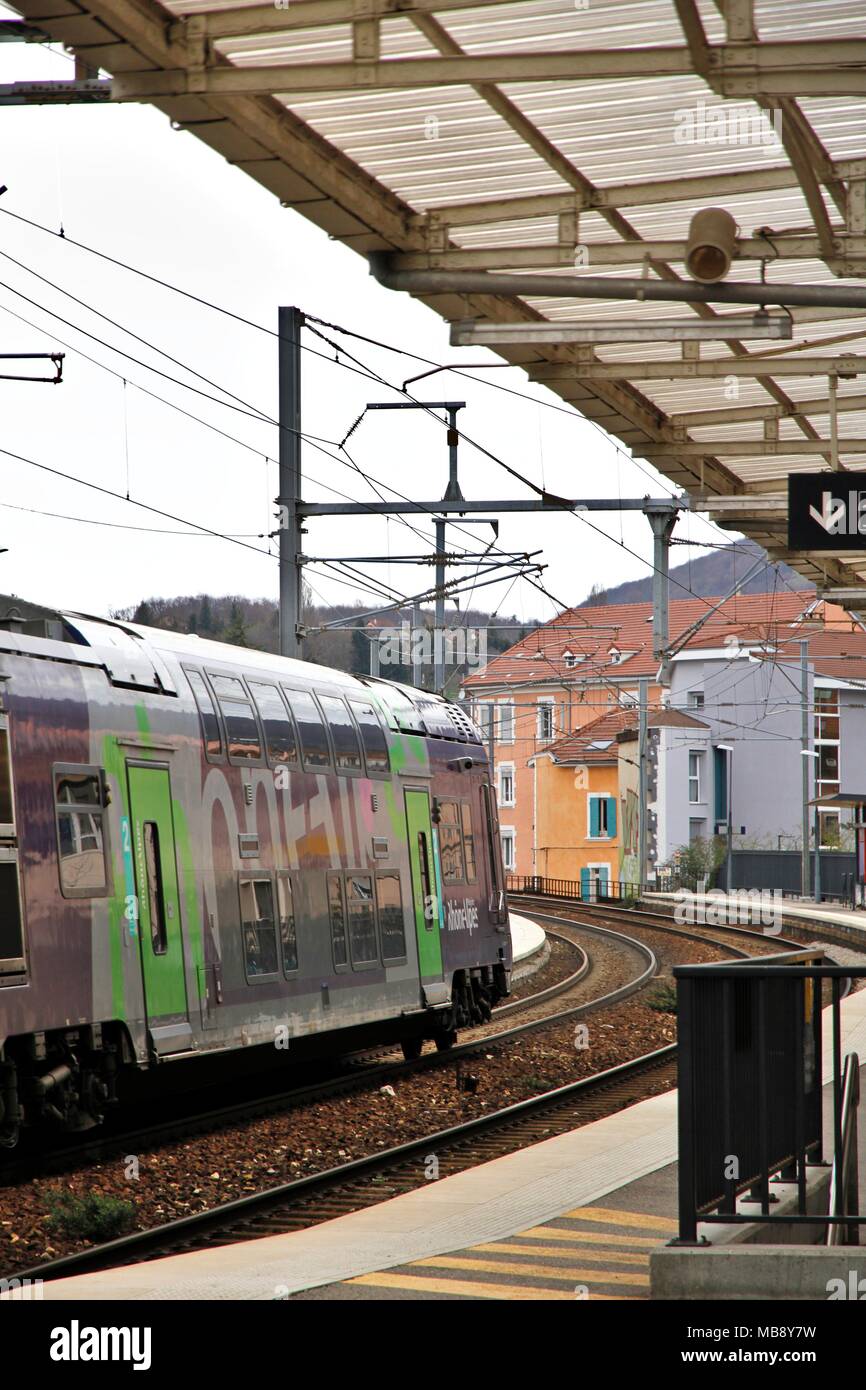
<point x="362" y="920"/>
<point x="257" y="925"/>
<point x="155" y="894"/>
<point x="451" y="842"/>
<point x="311" y="726"/>
<point x="210" y="725"/>
<point x="11" y="929"/>
<point x="468" y="842"/>
<point x="337" y="914"/>
<point x="372" y="736"/>
<point x="80" y="832"/>
<point x="392" y="928"/>
<point x="344" y="735"/>
<point x="494" y="853"/>
<point x="242" y="731"/>
<point x="288" y="924"/>
<point x="430" y="897"/>
<point x="7" y="812"/>
<point x="277" y="724"/>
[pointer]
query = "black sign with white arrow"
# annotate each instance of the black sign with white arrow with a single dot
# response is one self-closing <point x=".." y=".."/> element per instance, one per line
<point x="827" y="511"/>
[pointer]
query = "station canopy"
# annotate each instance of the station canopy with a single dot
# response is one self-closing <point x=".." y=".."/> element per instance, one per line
<point x="562" y="138"/>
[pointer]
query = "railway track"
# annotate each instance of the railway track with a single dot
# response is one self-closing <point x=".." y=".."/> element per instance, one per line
<point x="309" y="1200"/>
<point x="364" y="1070"/>
<point x="363" y="1182"/>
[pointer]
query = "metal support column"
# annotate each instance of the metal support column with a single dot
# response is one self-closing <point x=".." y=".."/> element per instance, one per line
<point x="290" y="321"/>
<point x="662" y="519"/>
<point x="416" y="645"/>
<point x="643" y="782"/>
<point x="805" y="875"/>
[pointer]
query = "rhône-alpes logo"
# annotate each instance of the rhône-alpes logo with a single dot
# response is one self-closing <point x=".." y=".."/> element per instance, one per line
<point x="462" y="916"/>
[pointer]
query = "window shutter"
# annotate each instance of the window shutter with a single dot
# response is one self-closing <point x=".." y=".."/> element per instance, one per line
<point x="611" y="816"/>
<point x="594" y="818"/>
<point x="584" y="885"/>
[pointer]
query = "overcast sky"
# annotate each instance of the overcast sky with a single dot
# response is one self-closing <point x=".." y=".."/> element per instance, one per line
<point x="121" y="180"/>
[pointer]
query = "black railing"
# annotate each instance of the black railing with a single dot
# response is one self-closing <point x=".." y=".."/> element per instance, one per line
<point x="750" y="1088"/>
<point x="589" y="891"/>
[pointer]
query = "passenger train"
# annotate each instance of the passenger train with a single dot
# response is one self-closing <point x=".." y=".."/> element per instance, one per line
<point x="205" y="849"/>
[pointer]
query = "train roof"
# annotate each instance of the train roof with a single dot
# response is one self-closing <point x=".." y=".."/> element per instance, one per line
<point x="132" y="655"/>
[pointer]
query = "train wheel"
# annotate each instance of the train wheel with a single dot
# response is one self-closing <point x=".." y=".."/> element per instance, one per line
<point x="445" y="1041"/>
<point x="412" y="1048"/>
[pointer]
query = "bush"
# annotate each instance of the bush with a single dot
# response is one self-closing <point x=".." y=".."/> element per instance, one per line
<point x="91" y="1217"/>
<point x="699" y="861"/>
<point x="664" y="998"/>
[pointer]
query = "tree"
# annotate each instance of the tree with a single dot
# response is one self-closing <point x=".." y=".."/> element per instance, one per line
<point x="205" y="617"/>
<point x="699" y="860"/>
<point x="236" y="632"/>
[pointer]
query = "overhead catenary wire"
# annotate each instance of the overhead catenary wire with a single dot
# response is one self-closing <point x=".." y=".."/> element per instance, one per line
<point x="336" y="347"/>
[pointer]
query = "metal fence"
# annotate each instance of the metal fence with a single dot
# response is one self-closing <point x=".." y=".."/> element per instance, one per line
<point x="593" y="891"/>
<point x="837" y="883"/>
<point x="750" y="1089"/>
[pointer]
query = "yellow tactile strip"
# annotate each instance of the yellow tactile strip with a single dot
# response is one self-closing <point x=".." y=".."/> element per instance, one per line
<point x="591" y="1253"/>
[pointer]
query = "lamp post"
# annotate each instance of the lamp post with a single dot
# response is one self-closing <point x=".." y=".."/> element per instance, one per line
<point x="729" y="798"/>
<point x="811" y="753"/>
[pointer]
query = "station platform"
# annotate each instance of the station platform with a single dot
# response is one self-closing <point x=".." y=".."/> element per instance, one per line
<point x="527" y="938"/>
<point x="832" y="913"/>
<point x="575" y="1216"/>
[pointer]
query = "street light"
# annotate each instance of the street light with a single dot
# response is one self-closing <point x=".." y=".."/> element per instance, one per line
<point x="729" y="872"/>
<point x="811" y="753"/>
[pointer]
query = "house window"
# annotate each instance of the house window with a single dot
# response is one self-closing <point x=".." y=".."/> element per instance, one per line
<point x="508" y="855"/>
<point x="545" y="721"/>
<point x="826" y="731"/>
<point x="602" y="817"/>
<point x="830" y="829"/>
<point x="506" y="721"/>
<point x="628" y="698"/>
<point x="482" y="712"/>
<point x="506" y="784"/>
<point x="695" y="760"/>
<point x="695" y="699"/>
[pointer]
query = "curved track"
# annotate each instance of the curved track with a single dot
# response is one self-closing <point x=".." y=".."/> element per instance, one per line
<point x="319" y="1197"/>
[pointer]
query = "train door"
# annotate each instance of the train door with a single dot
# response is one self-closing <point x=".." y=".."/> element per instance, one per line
<point x="426" y="895"/>
<point x="151" y="836"/>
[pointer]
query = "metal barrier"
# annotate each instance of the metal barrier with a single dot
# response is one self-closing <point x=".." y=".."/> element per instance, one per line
<point x="750" y="1089"/>
<point x="588" y="891"/>
<point x="844" y="1184"/>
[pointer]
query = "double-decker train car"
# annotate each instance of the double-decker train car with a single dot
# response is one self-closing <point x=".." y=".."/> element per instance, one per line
<point x="205" y="849"/>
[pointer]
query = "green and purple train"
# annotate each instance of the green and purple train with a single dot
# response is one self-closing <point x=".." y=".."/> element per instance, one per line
<point x="205" y="849"/>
